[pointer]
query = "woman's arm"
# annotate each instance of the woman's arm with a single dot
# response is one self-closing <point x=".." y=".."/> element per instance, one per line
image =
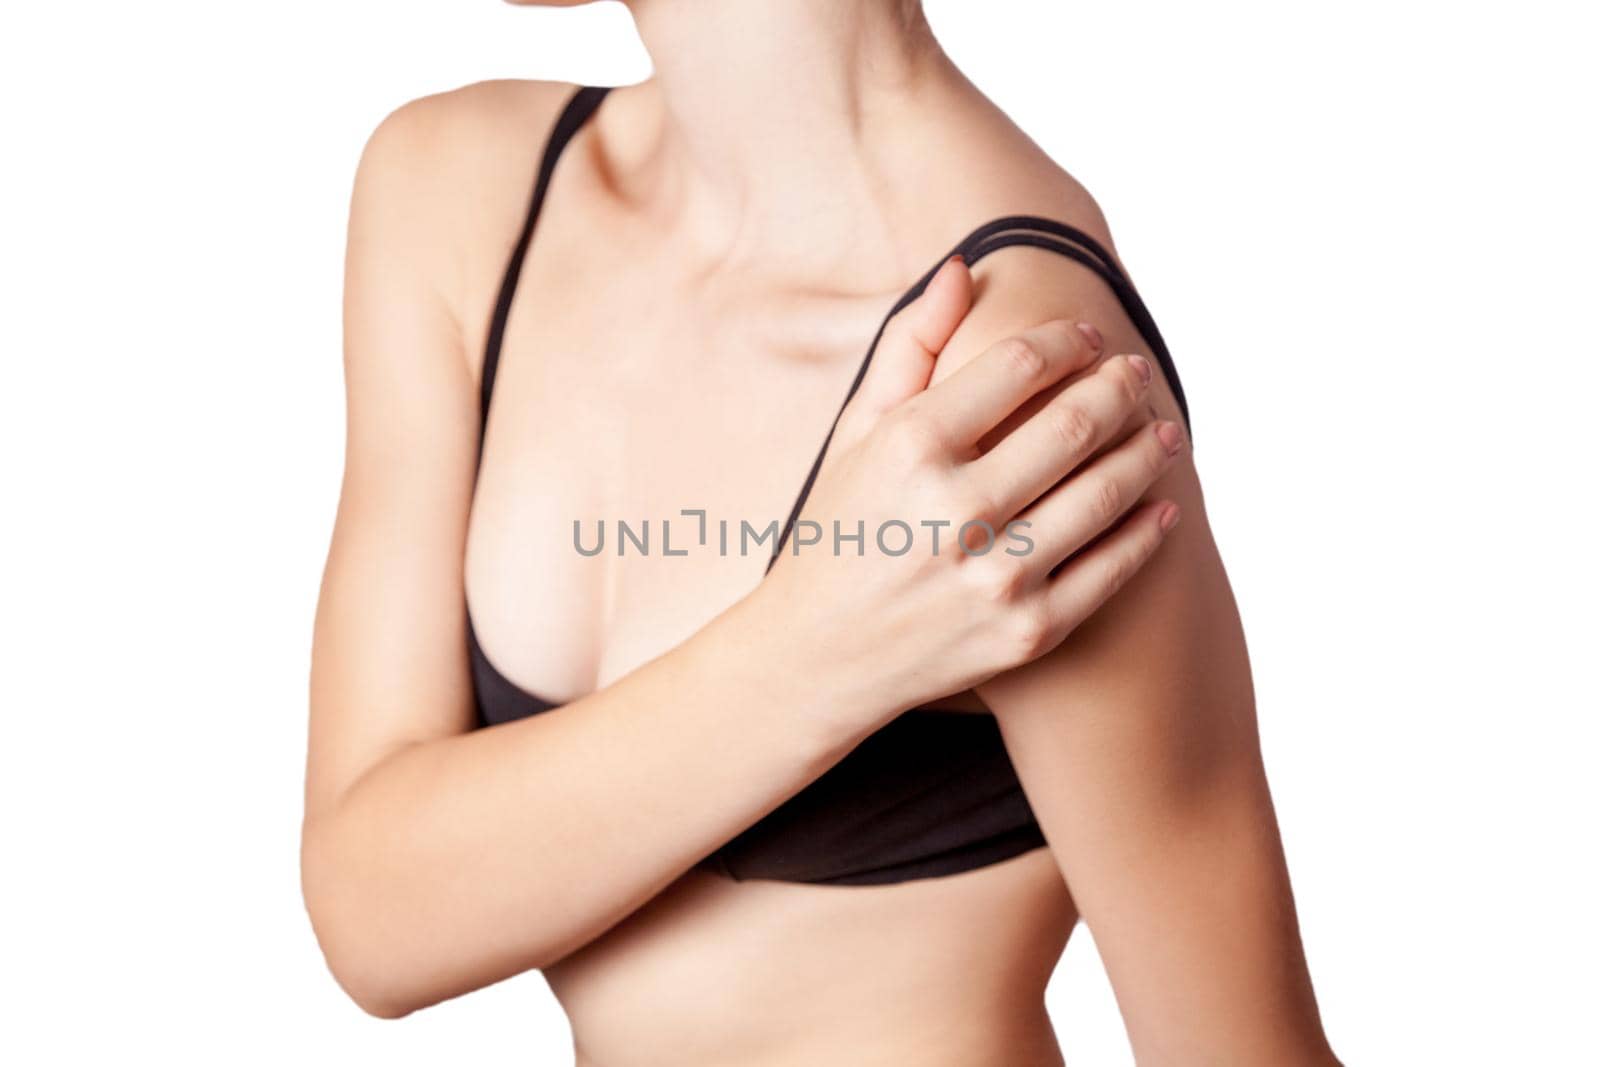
<point x="1136" y="744"/>
<point x="437" y="859"/>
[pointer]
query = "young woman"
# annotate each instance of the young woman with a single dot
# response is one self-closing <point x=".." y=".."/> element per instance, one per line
<point x="846" y="810"/>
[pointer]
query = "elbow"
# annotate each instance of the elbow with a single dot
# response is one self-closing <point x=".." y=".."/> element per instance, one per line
<point x="376" y="1002"/>
<point x="381" y="1009"/>
<point x="361" y="960"/>
<point x="369" y="983"/>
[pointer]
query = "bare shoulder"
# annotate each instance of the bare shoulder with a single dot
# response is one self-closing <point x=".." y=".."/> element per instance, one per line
<point x="465" y="133"/>
<point x="1019" y="287"/>
<point x="1180" y="602"/>
<point x="444" y="180"/>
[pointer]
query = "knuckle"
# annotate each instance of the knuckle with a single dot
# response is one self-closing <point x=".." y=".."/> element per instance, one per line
<point x="1156" y="458"/>
<point x="1071" y="426"/>
<point x="971" y="504"/>
<point x="1023" y="358"/>
<point x="1107" y="499"/>
<point x="1063" y="336"/>
<point x="1119" y="566"/>
<point x="1115" y="570"/>
<point x="901" y="332"/>
<point x="911" y="439"/>
<point x="1000" y="578"/>
<point x="1032" y="631"/>
<point x="1149" y="541"/>
<point x="1130" y="387"/>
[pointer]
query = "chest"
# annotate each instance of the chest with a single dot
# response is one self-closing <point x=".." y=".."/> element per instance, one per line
<point x="644" y="432"/>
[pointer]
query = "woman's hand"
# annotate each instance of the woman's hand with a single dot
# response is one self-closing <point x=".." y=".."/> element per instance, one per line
<point x="974" y="556"/>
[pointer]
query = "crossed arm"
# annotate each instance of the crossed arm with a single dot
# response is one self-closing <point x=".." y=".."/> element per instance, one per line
<point x="1135" y="740"/>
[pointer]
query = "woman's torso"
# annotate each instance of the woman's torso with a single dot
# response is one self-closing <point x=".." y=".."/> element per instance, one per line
<point x="637" y="380"/>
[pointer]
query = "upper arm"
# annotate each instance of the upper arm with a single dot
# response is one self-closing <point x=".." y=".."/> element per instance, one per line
<point x="1158" y="673"/>
<point x="388" y="658"/>
<point x="1169" y="645"/>
<point x="1135" y="742"/>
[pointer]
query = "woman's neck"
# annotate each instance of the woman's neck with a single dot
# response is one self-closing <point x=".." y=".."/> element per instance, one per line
<point x="777" y="120"/>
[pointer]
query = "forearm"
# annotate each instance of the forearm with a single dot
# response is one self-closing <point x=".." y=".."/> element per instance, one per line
<point x="458" y="862"/>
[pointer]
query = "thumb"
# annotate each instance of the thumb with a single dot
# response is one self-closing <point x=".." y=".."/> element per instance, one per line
<point x="912" y="340"/>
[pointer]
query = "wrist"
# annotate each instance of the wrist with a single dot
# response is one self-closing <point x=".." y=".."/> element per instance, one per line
<point x="786" y="666"/>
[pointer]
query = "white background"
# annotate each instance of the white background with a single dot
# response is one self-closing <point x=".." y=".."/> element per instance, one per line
<point x="1367" y="229"/>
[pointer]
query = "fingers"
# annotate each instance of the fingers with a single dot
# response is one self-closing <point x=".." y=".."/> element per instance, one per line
<point x="1094" y="576"/>
<point x="1092" y="500"/>
<point x="979" y="396"/>
<point x="903" y="361"/>
<point x="1062" y="434"/>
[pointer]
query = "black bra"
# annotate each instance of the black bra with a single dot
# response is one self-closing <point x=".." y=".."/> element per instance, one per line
<point x="931" y="793"/>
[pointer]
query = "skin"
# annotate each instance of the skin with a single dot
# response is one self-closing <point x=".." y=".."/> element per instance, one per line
<point x="716" y="250"/>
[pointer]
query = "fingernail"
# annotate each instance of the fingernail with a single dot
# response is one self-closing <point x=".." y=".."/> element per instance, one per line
<point x="1088" y="330"/>
<point x="1169" y="517"/>
<point x="1170" y="436"/>
<point x="946" y="267"/>
<point x="1142" y="365"/>
<point x="955" y="257"/>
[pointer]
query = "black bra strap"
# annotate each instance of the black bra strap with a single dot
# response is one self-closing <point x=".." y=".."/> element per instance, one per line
<point x="579" y="107"/>
<point x="1028" y="230"/>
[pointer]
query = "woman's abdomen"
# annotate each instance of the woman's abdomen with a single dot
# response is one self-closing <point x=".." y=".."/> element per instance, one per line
<point x="760" y="973"/>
